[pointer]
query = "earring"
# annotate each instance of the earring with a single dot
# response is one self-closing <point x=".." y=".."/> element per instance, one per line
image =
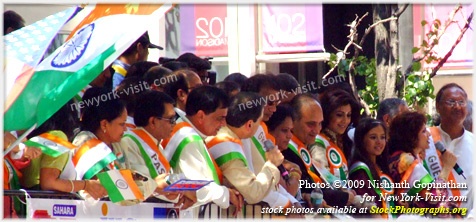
<point x="104" y="130"/>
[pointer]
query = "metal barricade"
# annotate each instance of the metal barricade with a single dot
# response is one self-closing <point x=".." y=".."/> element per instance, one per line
<point x="20" y="195"/>
<point x="253" y="211"/>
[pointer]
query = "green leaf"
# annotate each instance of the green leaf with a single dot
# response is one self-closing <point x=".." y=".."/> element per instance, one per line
<point x="435" y="41"/>
<point x="415" y="49"/>
<point x="438" y="21"/>
<point x="424" y="22"/>
<point x="424" y="43"/>
<point x="416" y="66"/>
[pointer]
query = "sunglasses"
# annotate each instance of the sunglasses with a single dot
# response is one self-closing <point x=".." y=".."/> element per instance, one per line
<point x="171" y="120"/>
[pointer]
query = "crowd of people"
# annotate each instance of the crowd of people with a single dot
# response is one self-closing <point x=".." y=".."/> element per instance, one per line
<point x="169" y="120"/>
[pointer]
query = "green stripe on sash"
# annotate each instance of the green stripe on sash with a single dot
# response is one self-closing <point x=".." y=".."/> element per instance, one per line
<point x="190" y="139"/>
<point x="425" y="180"/>
<point x="145" y="156"/>
<point x="230" y="156"/>
<point x="96" y="168"/>
<point x="259" y="147"/>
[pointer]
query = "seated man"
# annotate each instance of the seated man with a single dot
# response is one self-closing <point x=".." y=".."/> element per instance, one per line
<point x="206" y="110"/>
<point x="236" y="160"/>
<point x="155" y="120"/>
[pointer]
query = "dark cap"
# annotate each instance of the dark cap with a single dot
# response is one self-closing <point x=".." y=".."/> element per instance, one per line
<point x="194" y="61"/>
<point x="144" y="39"/>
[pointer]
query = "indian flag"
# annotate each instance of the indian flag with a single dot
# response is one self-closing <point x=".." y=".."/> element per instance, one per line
<point x="92" y="157"/>
<point x="120" y="185"/>
<point x="60" y="76"/>
<point x="50" y="144"/>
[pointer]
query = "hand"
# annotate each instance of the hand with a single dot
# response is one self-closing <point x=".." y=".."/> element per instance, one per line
<point x="275" y="156"/>
<point x="32" y="152"/>
<point x="296" y="215"/>
<point x="192" y="195"/>
<point x="184" y="203"/>
<point x="236" y="199"/>
<point x="290" y="165"/>
<point x="307" y="197"/>
<point x="161" y="182"/>
<point x="448" y="159"/>
<point x="171" y="195"/>
<point x="352" y="194"/>
<point x="95" y="189"/>
<point x="9" y="139"/>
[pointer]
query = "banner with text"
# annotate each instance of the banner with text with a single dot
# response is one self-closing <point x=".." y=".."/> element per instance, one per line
<point x="104" y="210"/>
<point x="203" y="29"/>
<point x="292" y="28"/>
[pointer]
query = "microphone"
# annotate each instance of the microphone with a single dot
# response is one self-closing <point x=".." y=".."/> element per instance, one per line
<point x="268" y="145"/>
<point x="439" y="146"/>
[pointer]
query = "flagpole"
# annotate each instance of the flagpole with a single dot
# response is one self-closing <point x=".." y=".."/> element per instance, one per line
<point x="18" y="141"/>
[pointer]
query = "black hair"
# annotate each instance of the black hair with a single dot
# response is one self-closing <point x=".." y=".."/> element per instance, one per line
<point x="194" y="62"/>
<point x="139" y="69"/>
<point x="333" y="99"/>
<point x="128" y="90"/>
<point x="175" y="65"/>
<point x="156" y="73"/>
<point x="242" y="109"/>
<point x="298" y="101"/>
<point x="360" y="151"/>
<point x="13" y="20"/>
<point x="228" y="87"/>
<point x="447" y="86"/>
<point x="287" y="82"/>
<point x="389" y="106"/>
<point x="260" y="81"/>
<point x="206" y="98"/>
<point x="150" y="104"/>
<point x="180" y="82"/>
<point x="278" y="117"/>
<point x="237" y="78"/>
<point x="108" y="108"/>
<point x="65" y="120"/>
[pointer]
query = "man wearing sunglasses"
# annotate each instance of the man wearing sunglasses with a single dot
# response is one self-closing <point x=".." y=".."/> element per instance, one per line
<point x="206" y="111"/>
<point x="141" y="149"/>
<point x="451" y="102"/>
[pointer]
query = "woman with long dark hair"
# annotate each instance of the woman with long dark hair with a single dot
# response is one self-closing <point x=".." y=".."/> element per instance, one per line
<point x="369" y="164"/>
<point x="332" y="147"/>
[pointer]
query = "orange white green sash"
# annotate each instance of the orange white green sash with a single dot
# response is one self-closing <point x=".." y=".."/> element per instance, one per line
<point x="92" y="157"/>
<point x="130" y="123"/>
<point x="260" y="136"/>
<point x="154" y="160"/>
<point x="50" y="144"/>
<point x="225" y="148"/>
<point x="432" y="162"/>
<point x="416" y="175"/>
<point x="336" y="158"/>
<point x="183" y="135"/>
<point x="384" y="178"/>
<point x="300" y="150"/>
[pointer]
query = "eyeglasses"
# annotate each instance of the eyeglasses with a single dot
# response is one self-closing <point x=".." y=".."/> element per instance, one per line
<point x="452" y="103"/>
<point x="171" y="120"/>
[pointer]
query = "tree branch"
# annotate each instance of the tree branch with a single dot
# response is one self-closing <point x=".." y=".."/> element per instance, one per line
<point x="351" y="36"/>
<point x="458" y="40"/>
<point x="431" y="46"/>
<point x="400" y="11"/>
